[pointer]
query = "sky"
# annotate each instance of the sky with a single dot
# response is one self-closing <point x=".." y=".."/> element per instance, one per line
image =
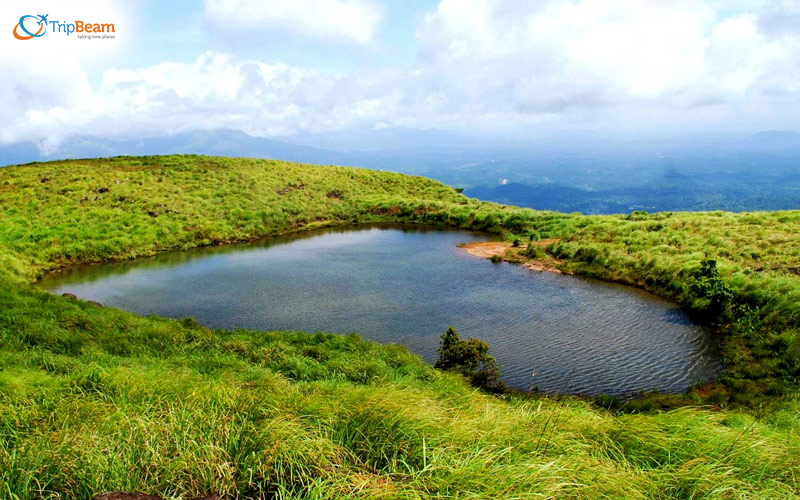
<point x="485" y="68"/>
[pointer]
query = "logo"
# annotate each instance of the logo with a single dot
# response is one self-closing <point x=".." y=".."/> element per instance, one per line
<point x="28" y="34"/>
<point x="30" y="27"/>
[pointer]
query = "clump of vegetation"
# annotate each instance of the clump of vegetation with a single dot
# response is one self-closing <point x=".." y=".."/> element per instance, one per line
<point x="533" y="251"/>
<point x="713" y="292"/>
<point x="470" y="358"/>
<point x="637" y="215"/>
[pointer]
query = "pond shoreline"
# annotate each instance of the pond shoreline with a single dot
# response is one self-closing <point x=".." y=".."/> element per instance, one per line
<point x="504" y="250"/>
<point x="337" y="280"/>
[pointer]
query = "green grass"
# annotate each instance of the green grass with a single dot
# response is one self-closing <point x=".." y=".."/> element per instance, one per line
<point x="96" y="399"/>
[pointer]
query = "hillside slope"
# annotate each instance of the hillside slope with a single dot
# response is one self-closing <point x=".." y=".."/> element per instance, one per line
<point x="99" y="399"/>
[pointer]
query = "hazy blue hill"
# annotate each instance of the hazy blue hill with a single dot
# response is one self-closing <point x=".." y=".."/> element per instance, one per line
<point x="384" y="139"/>
<point x="18" y="152"/>
<point x="221" y="142"/>
<point x="781" y="139"/>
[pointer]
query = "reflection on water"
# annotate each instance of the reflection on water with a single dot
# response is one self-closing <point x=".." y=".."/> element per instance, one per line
<point x="557" y="333"/>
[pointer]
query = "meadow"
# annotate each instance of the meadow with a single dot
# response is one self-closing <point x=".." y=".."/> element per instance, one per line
<point x="94" y="399"/>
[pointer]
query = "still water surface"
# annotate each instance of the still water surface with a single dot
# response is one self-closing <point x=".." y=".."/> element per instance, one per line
<point x="547" y="331"/>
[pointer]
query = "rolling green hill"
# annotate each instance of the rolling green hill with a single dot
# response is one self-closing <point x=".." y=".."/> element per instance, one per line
<point x="95" y="399"/>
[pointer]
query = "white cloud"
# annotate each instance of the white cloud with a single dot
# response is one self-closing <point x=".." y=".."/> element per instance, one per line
<point x="483" y="65"/>
<point x="217" y="90"/>
<point x="351" y="20"/>
<point x="45" y="78"/>
<point x="543" y="58"/>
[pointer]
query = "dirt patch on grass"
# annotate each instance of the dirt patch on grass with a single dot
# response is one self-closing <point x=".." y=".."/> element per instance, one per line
<point x="487" y="249"/>
<point x="506" y="251"/>
<point x="290" y="188"/>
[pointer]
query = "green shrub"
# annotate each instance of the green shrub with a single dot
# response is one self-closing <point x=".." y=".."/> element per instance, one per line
<point x="715" y="293"/>
<point x="533" y="251"/>
<point x="471" y="358"/>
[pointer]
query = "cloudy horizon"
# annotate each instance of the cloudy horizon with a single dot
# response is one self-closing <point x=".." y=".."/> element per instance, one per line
<point x="490" y="69"/>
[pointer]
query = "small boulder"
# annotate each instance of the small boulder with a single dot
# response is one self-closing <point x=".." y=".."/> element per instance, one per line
<point x="95" y="303"/>
<point x="69" y="295"/>
<point x="152" y="213"/>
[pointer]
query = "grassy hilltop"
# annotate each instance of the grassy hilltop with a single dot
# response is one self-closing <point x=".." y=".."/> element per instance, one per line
<point x="95" y="399"/>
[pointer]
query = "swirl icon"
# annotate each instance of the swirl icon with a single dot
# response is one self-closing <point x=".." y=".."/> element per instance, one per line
<point x="41" y="19"/>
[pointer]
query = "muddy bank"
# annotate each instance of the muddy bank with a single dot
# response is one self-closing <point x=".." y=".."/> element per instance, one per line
<point x="505" y="251"/>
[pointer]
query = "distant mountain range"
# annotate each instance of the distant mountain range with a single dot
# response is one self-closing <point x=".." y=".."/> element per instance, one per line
<point x="398" y="145"/>
<point x="222" y="142"/>
<point x="773" y="139"/>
